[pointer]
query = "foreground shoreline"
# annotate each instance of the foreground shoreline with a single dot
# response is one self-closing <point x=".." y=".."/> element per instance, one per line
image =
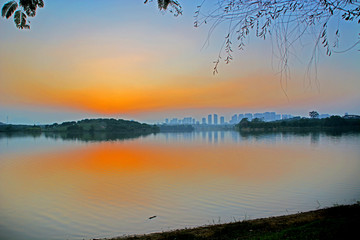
<point x="339" y="222"/>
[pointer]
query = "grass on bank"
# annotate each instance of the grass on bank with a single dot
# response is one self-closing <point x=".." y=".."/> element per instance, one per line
<point x="340" y="222"/>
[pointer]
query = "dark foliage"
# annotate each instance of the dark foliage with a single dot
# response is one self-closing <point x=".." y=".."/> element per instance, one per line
<point x="74" y="128"/>
<point x="99" y="130"/>
<point x="19" y="128"/>
<point x="172" y="5"/>
<point x="334" y="122"/>
<point x="84" y="130"/>
<point x="313" y="114"/>
<point x="27" y="8"/>
<point x="102" y="125"/>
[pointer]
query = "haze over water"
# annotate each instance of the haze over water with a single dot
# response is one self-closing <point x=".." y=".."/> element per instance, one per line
<point x="51" y="188"/>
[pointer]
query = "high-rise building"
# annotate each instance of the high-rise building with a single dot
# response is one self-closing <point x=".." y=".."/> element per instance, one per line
<point x="249" y="116"/>
<point x="234" y="119"/>
<point x="259" y="116"/>
<point x="203" y="121"/>
<point x="222" y="120"/>
<point x="209" y="119"/>
<point x="187" y="120"/>
<point x="215" y="119"/>
<point x="174" y="121"/>
<point x="269" y="116"/>
<point x="241" y="116"/>
<point x="286" y="116"/>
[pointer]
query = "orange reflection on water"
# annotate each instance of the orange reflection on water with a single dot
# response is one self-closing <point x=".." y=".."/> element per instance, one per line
<point x="243" y="162"/>
<point x="141" y="164"/>
<point x="133" y="174"/>
<point x="118" y="185"/>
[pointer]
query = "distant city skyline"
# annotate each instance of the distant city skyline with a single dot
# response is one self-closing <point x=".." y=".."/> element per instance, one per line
<point x="191" y="117"/>
<point x="212" y="119"/>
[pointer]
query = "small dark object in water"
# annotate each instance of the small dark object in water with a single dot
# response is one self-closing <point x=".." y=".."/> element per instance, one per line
<point x="152" y="217"/>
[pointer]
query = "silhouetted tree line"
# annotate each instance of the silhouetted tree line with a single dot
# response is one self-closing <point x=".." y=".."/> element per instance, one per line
<point x="102" y="125"/>
<point x="113" y="126"/>
<point x="334" y="122"/>
<point x="19" y="128"/>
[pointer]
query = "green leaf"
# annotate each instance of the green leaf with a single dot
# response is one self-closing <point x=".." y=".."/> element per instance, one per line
<point x="8" y="9"/>
<point x="20" y="20"/>
<point x="163" y="4"/>
<point x="30" y="6"/>
<point x="41" y="3"/>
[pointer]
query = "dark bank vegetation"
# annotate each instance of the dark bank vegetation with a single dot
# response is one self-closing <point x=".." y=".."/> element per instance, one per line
<point x="102" y="125"/>
<point x="9" y="128"/>
<point x="103" y="128"/>
<point x="340" y="222"/>
<point x="309" y="124"/>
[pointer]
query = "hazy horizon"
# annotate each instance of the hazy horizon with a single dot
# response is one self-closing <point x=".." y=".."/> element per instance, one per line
<point x="151" y="119"/>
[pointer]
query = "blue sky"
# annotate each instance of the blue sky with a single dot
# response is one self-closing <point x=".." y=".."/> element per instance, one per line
<point x="128" y="60"/>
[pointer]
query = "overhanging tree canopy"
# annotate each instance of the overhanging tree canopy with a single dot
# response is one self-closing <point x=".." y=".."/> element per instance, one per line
<point x="22" y="9"/>
<point x="287" y="20"/>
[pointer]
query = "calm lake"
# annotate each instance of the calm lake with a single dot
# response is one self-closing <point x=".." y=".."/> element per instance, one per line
<point x="54" y="187"/>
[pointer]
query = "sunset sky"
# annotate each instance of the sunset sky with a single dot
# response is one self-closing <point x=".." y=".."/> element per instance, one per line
<point x="126" y="59"/>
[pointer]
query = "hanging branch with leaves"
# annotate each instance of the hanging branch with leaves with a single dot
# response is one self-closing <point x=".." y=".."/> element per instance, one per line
<point x="21" y="11"/>
<point x="286" y="20"/>
<point x="172" y="6"/>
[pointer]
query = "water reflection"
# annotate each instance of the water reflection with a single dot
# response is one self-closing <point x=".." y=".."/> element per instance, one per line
<point x="315" y="137"/>
<point x="79" y="136"/>
<point x="95" y="136"/>
<point x="111" y="188"/>
<point x="19" y="134"/>
<point x="203" y="135"/>
<point x="222" y="136"/>
<point x="192" y="136"/>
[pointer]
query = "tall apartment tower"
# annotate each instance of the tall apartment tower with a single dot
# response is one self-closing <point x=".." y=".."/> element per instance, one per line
<point x="209" y="119"/>
<point x="215" y="119"/>
<point x="222" y="120"/>
<point x="203" y="120"/>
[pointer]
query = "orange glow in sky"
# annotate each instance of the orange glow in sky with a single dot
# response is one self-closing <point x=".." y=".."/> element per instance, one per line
<point x="128" y="64"/>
